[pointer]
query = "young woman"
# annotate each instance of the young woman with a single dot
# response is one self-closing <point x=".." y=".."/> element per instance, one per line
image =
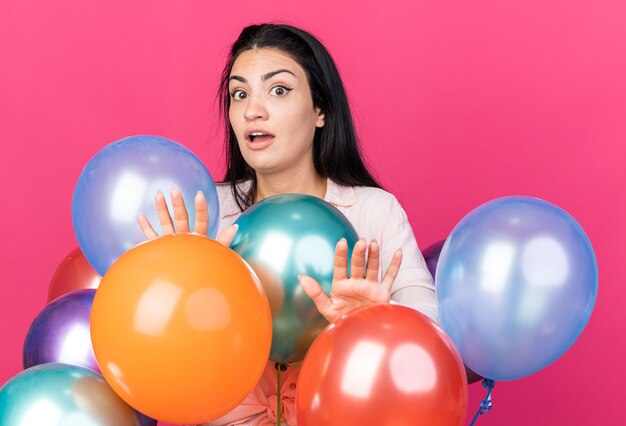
<point x="289" y="130"/>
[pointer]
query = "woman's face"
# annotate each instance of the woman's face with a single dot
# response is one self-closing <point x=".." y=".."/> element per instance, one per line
<point x="271" y="110"/>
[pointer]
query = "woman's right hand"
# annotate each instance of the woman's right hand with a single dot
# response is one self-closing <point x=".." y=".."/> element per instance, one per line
<point x="180" y="223"/>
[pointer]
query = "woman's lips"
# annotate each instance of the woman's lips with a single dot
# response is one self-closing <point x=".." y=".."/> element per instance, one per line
<point x="260" y="142"/>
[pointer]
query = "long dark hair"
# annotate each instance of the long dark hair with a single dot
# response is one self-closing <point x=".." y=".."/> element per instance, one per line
<point x="336" y="152"/>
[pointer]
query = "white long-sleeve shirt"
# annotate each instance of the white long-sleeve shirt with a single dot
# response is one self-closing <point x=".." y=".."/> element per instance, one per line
<point x="375" y="214"/>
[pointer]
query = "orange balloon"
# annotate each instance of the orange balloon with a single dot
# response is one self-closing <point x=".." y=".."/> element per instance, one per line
<point x="73" y="273"/>
<point x="181" y="328"/>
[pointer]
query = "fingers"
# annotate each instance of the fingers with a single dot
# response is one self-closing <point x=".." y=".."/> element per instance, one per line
<point x="340" y="271"/>
<point x="226" y="236"/>
<point x="392" y="271"/>
<point x="373" y="261"/>
<point x="181" y="217"/>
<point x="164" y="214"/>
<point x="145" y="226"/>
<point x="357" y="262"/>
<point x="315" y="292"/>
<point x="202" y="216"/>
<point x="180" y="211"/>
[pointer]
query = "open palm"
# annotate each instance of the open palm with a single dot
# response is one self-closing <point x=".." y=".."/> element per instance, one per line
<point x="361" y="289"/>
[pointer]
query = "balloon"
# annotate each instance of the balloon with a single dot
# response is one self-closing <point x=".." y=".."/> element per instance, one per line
<point x="281" y="237"/>
<point x="121" y="181"/>
<point x="64" y="395"/>
<point x="382" y="365"/>
<point x="516" y="283"/>
<point x="60" y="333"/>
<point x="73" y="273"/>
<point x="181" y="328"/>
<point x="431" y="256"/>
<point x="145" y="420"/>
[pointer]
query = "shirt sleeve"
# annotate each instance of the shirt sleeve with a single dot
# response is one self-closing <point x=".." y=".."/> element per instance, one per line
<point x="413" y="286"/>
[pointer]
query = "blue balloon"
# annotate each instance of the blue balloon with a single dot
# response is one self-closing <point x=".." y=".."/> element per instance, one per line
<point x="516" y="283"/>
<point x="281" y="237"/>
<point x="61" y="394"/>
<point x="121" y="181"/>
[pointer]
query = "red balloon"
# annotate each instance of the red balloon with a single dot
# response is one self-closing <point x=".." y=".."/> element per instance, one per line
<point x="382" y="365"/>
<point x="73" y="273"/>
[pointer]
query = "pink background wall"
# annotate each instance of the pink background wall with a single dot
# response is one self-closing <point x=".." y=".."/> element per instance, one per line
<point x="456" y="103"/>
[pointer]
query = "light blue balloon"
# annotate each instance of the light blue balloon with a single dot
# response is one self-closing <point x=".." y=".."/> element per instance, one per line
<point x="281" y="237"/>
<point x="516" y="283"/>
<point x="121" y="181"/>
<point x="62" y="395"/>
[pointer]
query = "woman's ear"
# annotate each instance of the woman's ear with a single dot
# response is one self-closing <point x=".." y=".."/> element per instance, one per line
<point x="319" y="122"/>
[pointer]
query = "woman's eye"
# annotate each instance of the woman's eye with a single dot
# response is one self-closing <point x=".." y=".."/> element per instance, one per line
<point x="279" y="90"/>
<point x="238" y="95"/>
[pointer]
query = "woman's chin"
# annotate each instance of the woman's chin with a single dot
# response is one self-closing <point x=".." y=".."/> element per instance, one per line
<point x="264" y="166"/>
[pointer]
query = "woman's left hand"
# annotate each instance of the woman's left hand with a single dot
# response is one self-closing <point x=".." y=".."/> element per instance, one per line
<point x="361" y="288"/>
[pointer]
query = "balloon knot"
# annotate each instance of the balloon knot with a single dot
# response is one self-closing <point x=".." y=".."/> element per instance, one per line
<point x="486" y="403"/>
<point x="282" y="366"/>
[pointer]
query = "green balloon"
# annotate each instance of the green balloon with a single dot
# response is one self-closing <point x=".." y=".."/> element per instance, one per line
<point x="62" y="395"/>
<point x="284" y="236"/>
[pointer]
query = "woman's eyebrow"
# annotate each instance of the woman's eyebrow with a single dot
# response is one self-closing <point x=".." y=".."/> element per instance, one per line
<point x="264" y="77"/>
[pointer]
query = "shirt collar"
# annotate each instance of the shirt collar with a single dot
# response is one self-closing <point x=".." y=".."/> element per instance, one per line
<point x="337" y="195"/>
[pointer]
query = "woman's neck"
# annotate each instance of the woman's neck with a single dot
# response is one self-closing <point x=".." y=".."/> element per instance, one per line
<point x="310" y="183"/>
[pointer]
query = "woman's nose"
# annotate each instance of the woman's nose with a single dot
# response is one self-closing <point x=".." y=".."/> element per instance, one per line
<point x="255" y="109"/>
